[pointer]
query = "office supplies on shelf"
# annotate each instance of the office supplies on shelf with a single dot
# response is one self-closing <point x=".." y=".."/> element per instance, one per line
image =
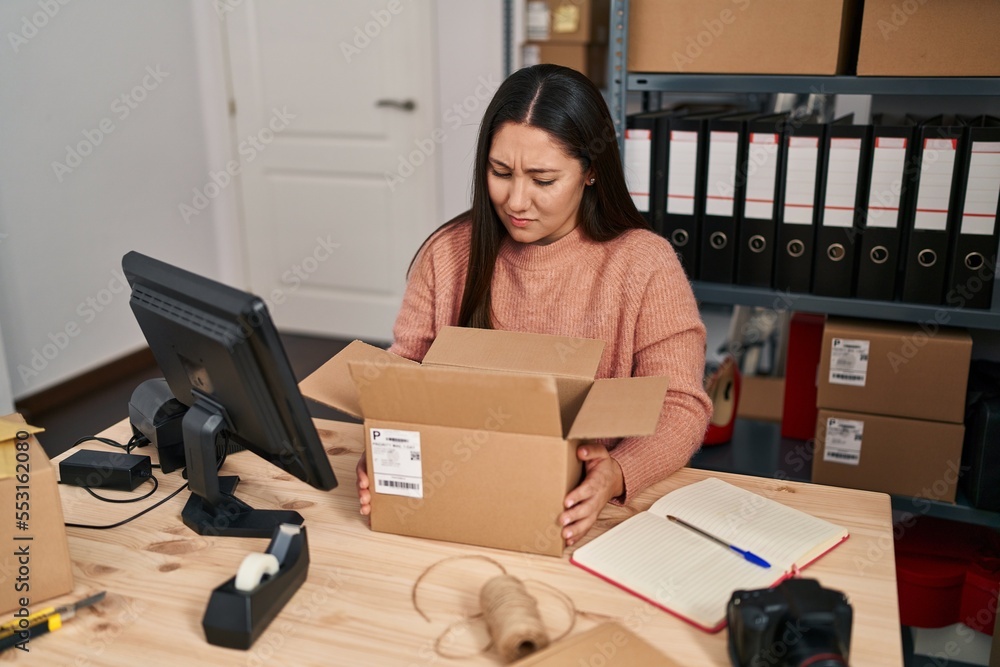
<point x="796" y="226"/>
<point x="683" y="573"/>
<point x="930" y="229"/>
<point x="745" y="554"/>
<point x="888" y="206"/>
<point x="24" y="629"/>
<point x="240" y="609"/>
<point x="973" y="262"/>
<point x="724" y="192"/>
<point x="687" y="165"/>
<point x="645" y="164"/>
<point x="846" y="149"/>
<point x="765" y="152"/>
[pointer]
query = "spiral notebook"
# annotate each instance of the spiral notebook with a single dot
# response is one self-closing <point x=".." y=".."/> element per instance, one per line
<point x="691" y="576"/>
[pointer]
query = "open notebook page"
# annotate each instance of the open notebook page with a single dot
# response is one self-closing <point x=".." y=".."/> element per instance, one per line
<point x="779" y="534"/>
<point x="673" y="568"/>
<point x="694" y="577"/>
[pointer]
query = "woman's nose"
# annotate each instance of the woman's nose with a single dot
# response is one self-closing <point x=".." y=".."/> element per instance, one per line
<point x="519" y="199"/>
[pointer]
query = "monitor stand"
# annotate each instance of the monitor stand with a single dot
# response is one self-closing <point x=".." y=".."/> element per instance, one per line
<point x="212" y="508"/>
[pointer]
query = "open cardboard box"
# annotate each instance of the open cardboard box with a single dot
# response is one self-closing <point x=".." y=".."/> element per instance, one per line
<point x="478" y="443"/>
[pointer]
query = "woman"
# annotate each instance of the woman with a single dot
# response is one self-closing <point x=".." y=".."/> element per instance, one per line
<point x="553" y="244"/>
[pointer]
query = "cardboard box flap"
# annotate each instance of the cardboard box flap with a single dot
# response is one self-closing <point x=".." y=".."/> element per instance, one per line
<point x="516" y="351"/>
<point x="461" y="398"/>
<point x="620" y="407"/>
<point x="331" y="384"/>
<point x="622" y="647"/>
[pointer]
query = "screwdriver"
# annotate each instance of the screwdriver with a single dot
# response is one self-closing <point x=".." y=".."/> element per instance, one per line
<point x="49" y="619"/>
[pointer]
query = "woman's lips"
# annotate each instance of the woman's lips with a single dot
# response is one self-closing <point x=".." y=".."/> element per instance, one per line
<point x="519" y="222"/>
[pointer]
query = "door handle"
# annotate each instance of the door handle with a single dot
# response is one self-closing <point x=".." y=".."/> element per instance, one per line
<point x="404" y="105"/>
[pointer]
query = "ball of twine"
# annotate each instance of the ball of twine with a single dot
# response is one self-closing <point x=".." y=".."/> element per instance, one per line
<point x="512" y="617"/>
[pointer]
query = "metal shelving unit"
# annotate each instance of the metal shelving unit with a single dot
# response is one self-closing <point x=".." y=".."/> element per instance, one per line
<point x="757" y="447"/>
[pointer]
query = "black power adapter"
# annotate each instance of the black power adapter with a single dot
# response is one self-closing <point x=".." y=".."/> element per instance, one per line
<point x="105" y="470"/>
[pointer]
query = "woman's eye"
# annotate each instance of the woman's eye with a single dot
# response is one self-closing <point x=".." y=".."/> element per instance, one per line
<point x="499" y="174"/>
<point x="544" y="183"/>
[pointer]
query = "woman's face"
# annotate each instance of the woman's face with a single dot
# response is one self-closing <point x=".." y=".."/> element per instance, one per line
<point x="535" y="187"/>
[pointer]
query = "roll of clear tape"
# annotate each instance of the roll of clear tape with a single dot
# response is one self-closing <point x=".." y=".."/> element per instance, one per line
<point x="512" y="617"/>
<point x="253" y="569"/>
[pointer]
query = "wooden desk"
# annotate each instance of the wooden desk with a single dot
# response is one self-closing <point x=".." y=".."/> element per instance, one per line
<point x="355" y="608"/>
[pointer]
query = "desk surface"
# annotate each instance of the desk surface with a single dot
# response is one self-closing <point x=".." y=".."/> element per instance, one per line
<point x="356" y="607"/>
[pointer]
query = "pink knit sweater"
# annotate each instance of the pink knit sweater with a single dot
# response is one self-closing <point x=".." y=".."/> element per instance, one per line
<point x="630" y="292"/>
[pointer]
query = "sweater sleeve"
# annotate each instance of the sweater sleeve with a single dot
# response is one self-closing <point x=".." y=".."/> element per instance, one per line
<point x="414" y="330"/>
<point x="669" y="341"/>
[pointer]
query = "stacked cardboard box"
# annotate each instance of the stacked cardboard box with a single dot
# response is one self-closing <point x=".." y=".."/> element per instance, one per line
<point x="891" y="401"/>
<point x="573" y="33"/>
<point x="743" y="37"/>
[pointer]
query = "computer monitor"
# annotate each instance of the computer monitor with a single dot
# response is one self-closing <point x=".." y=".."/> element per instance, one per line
<point x="221" y="356"/>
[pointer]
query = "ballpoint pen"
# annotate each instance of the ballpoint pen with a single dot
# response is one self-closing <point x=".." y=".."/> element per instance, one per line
<point x="747" y="555"/>
<point x="49" y="619"/>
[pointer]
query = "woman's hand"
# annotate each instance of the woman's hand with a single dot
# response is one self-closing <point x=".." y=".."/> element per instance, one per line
<point x="603" y="481"/>
<point x="364" y="495"/>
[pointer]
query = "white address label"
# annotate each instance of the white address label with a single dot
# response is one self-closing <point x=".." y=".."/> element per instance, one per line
<point x="397" y="468"/>
<point x="849" y="362"/>
<point x="843" y="441"/>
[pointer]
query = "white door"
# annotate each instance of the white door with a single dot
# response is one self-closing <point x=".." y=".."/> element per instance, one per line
<point x="334" y="124"/>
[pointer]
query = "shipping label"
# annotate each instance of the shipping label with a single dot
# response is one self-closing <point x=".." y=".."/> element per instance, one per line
<point x="397" y="468"/>
<point x="849" y="362"/>
<point x="843" y="441"/>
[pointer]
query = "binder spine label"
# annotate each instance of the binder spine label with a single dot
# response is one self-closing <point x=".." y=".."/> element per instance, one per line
<point x="682" y="172"/>
<point x="849" y="362"/>
<point x="937" y="165"/>
<point x="843" y="441"/>
<point x="841" y="182"/>
<point x="888" y="164"/>
<point x="722" y="149"/>
<point x="638" y="157"/>
<point x="762" y="166"/>
<point x="398" y="470"/>
<point x="800" y="180"/>
<point x="979" y="216"/>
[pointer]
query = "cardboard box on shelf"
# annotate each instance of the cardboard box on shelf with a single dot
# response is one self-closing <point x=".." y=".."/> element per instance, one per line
<point x="588" y="59"/>
<point x="921" y="38"/>
<point x="478" y="444"/>
<point x="743" y="37"/>
<point x="761" y="397"/>
<point x="919" y="371"/>
<point x="568" y="21"/>
<point x="909" y="457"/>
<point x="34" y="559"/>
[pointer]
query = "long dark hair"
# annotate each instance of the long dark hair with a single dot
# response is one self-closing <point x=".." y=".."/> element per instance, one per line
<point x="570" y="108"/>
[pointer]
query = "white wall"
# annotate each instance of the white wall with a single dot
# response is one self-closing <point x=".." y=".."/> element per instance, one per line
<point x="470" y="67"/>
<point x="63" y="307"/>
<point x="6" y="399"/>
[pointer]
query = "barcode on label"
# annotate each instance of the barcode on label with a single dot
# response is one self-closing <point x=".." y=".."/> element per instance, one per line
<point x="847" y="376"/>
<point x="392" y="484"/>
<point x="844" y="456"/>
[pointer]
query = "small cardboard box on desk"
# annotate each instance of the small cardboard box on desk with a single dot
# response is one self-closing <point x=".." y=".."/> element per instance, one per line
<point x="478" y="444"/>
<point x="34" y="554"/>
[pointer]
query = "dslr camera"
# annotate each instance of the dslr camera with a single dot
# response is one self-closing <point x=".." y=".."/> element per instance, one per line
<point x="796" y="623"/>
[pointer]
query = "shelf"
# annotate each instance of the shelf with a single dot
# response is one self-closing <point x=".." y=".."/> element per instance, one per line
<point x="849" y="85"/>
<point x="883" y="310"/>
<point x="757" y="449"/>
